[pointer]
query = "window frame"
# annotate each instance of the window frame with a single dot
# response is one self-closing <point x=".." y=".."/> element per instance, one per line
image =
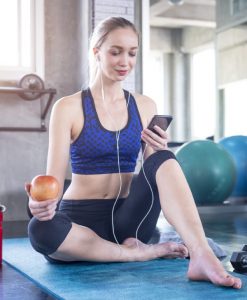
<point x="8" y="73"/>
<point x="193" y="125"/>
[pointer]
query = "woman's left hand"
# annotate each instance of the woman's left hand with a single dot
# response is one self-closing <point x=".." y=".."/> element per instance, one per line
<point x="156" y="141"/>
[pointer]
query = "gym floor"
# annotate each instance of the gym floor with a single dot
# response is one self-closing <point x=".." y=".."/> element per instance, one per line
<point x="229" y="229"/>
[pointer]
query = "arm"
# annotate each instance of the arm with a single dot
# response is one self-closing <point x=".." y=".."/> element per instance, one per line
<point x="154" y="142"/>
<point x="59" y="141"/>
<point x="58" y="156"/>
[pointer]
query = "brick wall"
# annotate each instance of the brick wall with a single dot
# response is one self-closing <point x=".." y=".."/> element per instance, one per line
<point x="114" y="8"/>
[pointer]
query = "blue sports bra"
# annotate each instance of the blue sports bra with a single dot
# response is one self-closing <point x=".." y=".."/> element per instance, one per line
<point x="95" y="149"/>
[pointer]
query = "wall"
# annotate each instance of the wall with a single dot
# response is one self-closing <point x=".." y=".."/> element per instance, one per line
<point x="161" y="39"/>
<point x="231" y="41"/>
<point x="177" y="45"/>
<point x="231" y="49"/>
<point x="230" y="13"/>
<point x="23" y="154"/>
<point x="63" y="61"/>
<point x="195" y="38"/>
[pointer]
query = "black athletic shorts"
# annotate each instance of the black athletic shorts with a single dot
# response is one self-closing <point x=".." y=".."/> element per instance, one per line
<point x="128" y="216"/>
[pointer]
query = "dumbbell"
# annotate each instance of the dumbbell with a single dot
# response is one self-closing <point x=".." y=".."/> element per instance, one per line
<point x="239" y="260"/>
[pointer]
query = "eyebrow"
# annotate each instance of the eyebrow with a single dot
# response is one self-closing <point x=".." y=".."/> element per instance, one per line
<point x="120" y="48"/>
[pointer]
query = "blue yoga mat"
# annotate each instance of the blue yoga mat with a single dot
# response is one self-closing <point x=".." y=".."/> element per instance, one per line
<point x="158" y="279"/>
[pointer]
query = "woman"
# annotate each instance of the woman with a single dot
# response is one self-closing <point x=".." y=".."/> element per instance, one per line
<point x="105" y="215"/>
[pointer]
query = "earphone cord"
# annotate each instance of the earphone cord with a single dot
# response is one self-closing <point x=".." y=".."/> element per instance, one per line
<point x="119" y="170"/>
<point x="120" y="188"/>
<point x="118" y="157"/>
<point x="152" y="194"/>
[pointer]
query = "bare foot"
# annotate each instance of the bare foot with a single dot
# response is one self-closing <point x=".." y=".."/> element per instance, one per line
<point x="162" y="250"/>
<point x="205" y="266"/>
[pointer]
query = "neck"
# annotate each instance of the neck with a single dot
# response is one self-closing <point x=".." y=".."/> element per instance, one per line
<point x="112" y="89"/>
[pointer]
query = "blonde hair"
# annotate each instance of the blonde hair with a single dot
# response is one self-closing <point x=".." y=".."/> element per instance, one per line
<point x="100" y="34"/>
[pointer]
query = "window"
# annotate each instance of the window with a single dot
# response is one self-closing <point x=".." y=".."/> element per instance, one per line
<point x="235" y="108"/>
<point x="238" y="6"/>
<point x="154" y="89"/>
<point x="203" y="90"/>
<point x="21" y="32"/>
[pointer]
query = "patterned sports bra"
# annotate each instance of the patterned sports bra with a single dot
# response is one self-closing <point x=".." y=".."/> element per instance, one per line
<point x="95" y="149"/>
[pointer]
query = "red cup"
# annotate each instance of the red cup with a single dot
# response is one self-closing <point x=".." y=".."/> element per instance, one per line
<point x="2" y="209"/>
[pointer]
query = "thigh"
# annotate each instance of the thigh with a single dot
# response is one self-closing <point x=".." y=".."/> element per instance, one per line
<point x="94" y="214"/>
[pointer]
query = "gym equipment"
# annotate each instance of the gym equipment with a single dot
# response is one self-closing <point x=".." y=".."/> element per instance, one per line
<point x="209" y="170"/>
<point x="2" y="209"/>
<point x="31" y="82"/>
<point x="133" y="280"/>
<point x="30" y="87"/>
<point x="239" y="260"/>
<point x="236" y="146"/>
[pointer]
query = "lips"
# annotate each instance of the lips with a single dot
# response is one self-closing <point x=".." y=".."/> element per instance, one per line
<point x="122" y="72"/>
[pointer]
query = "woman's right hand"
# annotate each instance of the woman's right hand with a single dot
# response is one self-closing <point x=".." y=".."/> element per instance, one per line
<point x="42" y="210"/>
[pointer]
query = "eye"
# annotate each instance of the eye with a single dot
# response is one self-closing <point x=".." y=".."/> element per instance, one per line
<point x="115" y="52"/>
<point x="132" y="54"/>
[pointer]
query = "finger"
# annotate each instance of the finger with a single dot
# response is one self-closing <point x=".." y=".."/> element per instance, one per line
<point x="52" y="205"/>
<point x="44" y="216"/>
<point x="150" y="133"/>
<point x="47" y="218"/>
<point x="157" y="145"/>
<point x="156" y="132"/>
<point x="44" y="219"/>
<point x="144" y="138"/>
<point x="38" y="210"/>
<point x="160" y="131"/>
<point x="45" y="203"/>
<point x="27" y="188"/>
<point x="149" y="136"/>
<point x="155" y="136"/>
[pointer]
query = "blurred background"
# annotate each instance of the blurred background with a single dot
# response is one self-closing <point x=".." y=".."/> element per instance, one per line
<point x="192" y="62"/>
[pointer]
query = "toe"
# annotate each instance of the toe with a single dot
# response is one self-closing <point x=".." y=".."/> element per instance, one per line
<point x="237" y="283"/>
<point x="230" y="281"/>
<point x="185" y="251"/>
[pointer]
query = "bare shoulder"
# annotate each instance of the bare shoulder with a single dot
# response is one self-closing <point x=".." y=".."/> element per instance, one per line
<point x="146" y="106"/>
<point x="67" y="107"/>
<point x="66" y="110"/>
<point x="68" y="103"/>
<point x="145" y="101"/>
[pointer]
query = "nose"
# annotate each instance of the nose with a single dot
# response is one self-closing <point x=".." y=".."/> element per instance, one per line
<point x="123" y="59"/>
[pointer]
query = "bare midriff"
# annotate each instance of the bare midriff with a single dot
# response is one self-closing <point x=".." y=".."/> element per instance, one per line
<point x="100" y="186"/>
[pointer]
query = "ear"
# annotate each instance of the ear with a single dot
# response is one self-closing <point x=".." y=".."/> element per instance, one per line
<point x="96" y="53"/>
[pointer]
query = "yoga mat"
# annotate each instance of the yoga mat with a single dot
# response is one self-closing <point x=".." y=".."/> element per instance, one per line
<point x="158" y="279"/>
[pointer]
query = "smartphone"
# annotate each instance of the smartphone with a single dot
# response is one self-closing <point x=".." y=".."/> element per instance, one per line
<point x="163" y="121"/>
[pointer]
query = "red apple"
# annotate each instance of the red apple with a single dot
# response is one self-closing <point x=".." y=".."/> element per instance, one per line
<point x="44" y="187"/>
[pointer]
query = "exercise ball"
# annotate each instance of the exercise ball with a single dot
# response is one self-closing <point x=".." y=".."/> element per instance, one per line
<point x="209" y="170"/>
<point x="236" y="146"/>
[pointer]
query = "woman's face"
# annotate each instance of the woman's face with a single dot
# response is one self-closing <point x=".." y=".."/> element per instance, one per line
<point x="117" y="55"/>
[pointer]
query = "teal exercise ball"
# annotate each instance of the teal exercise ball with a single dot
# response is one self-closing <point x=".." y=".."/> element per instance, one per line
<point x="209" y="170"/>
<point x="236" y="146"/>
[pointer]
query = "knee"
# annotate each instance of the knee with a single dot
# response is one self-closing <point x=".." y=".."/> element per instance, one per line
<point x="154" y="161"/>
<point x="159" y="157"/>
<point x="47" y="236"/>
